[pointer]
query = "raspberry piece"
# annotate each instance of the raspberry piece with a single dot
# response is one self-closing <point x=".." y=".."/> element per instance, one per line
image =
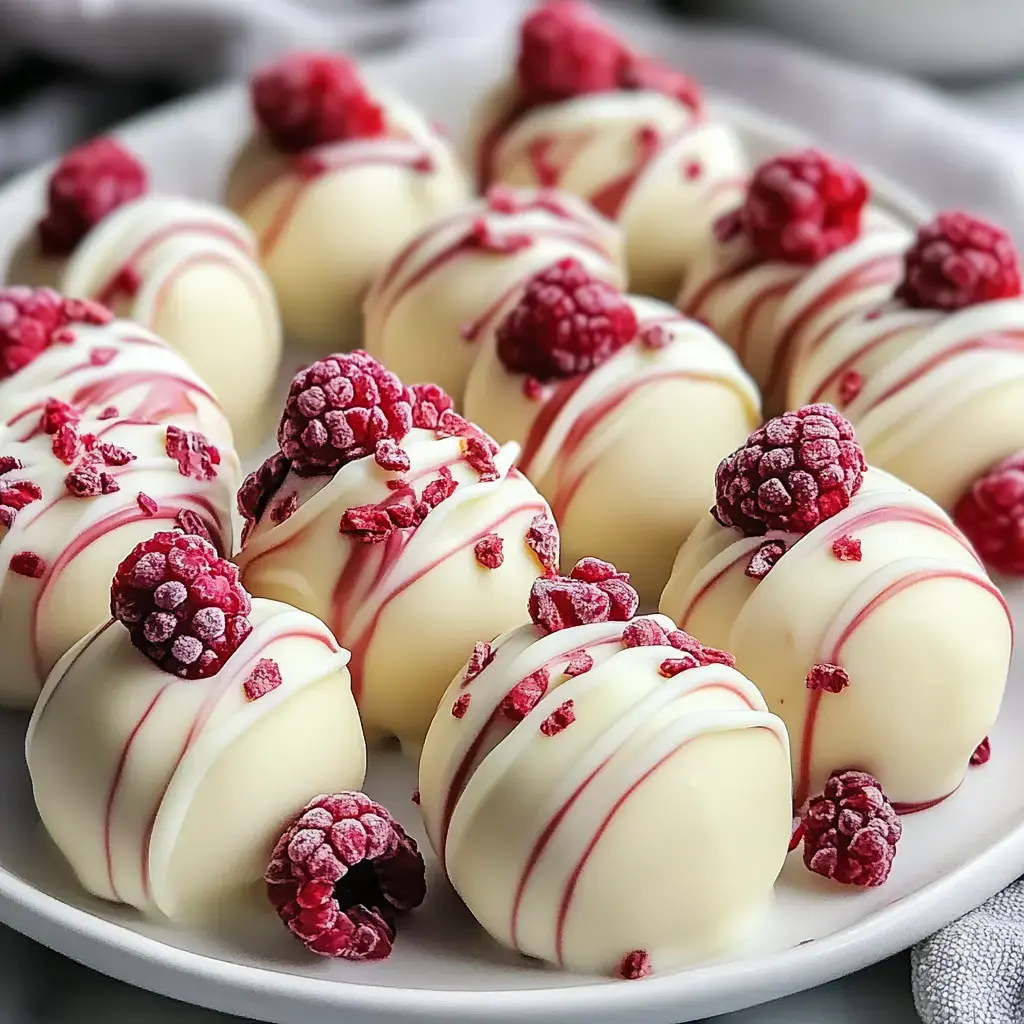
<point x="266" y="676"/>
<point x="481" y="657"/>
<point x="851" y="384"/>
<point x="957" y="261"/>
<point x="57" y="414"/>
<point x="195" y="456"/>
<point x="479" y="453"/>
<point x="566" y="322"/>
<point x="461" y="706"/>
<point x="848" y="549"/>
<point x="388" y="455"/>
<point x="31" y="321"/>
<point x="579" y="662"/>
<point x="341" y="875"/>
<point x="671" y="667"/>
<point x="851" y="830"/>
<point x="561" y="718"/>
<point x="339" y="409"/>
<point x="525" y="695"/>
<point x="429" y="404"/>
<point x="182" y="604"/>
<point x="564" y="51"/>
<point x="592" y="592"/>
<point x="366" y="524"/>
<point x="982" y="753"/>
<point x="800" y="207"/>
<point x="189" y="522"/>
<point x="28" y="563"/>
<point x="442" y="487"/>
<point x="797" y="470"/>
<point x="542" y="540"/>
<point x="90" y="181"/>
<point x="66" y="444"/>
<point x="147" y="504"/>
<point x="830" y="678"/>
<point x="645" y="632"/>
<point x="15" y="495"/>
<point x="310" y="99"/>
<point x="490" y="551"/>
<point x="651" y="75"/>
<point x="991" y="514"/>
<point x="635" y="965"/>
<point x="259" y="488"/>
<point x="763" y="560"/>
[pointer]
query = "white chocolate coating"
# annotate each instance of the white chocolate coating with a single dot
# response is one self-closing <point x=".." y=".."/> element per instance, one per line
<point x="330" y="218"/>
<point x="119" y="365"/>
<point x="543" y="836"/>
<point x="942" y="396"/>
<point x="83" y="540"/>
<point x="627" y="454"/>
<point x="187" y="271"/>
<point x="169" y="794"/>
<point x="921" y="630"/>
<point x="768" y="310"/>
<point x="429" y="308"/>
<point x="410" y="607"/>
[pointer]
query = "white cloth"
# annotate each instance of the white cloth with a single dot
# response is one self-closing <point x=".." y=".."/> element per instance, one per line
<point x="972" y="972"/>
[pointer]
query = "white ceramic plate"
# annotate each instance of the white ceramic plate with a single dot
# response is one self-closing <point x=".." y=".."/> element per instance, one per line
<point x="444" y="968"/>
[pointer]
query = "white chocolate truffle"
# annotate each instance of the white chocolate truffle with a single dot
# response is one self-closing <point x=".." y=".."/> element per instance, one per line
<point x="431" y="305"/>
<point x="169" y="794"/>
<point x="407" y="602"/>
<point x="921" y="633"/>
<point x="329" y="218"/>
<point x="626" y="454"/>
<point x="543" y="823"/>
<point x="100" y="368"/>
<point x="187" y="271"/>
<point x="61" y="549"/>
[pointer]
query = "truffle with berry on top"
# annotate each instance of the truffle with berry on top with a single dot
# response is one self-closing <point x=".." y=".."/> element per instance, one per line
<point x="401" y="525"/>
<point x="584" y="112"/>
<point x="861" y="611"/>
<point x="334" y="178"/>
<point x="587" y="738"/>
<point x="169" y="747"/>
<point x="802" y="249"/>
<point x="622" y="408"/>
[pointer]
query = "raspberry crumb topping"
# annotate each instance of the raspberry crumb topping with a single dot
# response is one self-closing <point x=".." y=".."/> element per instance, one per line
<point x="671" y="667"/>
<point x="259" y="488"/>
<point x="763" y="560"/>
<point x="189" y="522"/>
<point x="797" y="470"/>
<point x="182" y="604"/>
<point x="266" y="676"/>
<point x="542" y="540"/>
<point x="342" y="873"/>
<point x="57" y="414"/>
<point x="28" y="563"/>
<point x="645" y="632"/>
<point x="851" y="830"/>
<point x="991" y="514"/>
<point x="367" y="524"/>
<point x="593" y="592"/>
<point x="566" y="322"/>
<point x="851" y="384"/>
<point x="635" y="965"/>
<point x="848" y="549"/>
<point x="982" y="753"/>
<point x="481" y="657"/>
<point x="339" y="409"/>
<point x="830" y="678"/>
<point x="957" y="261"/>
<point x="490" y="551"/>
<point x="525" y="695"/>
<point x="388" y="455"/>
<point x="195" y="456"/>
<point x="461" y="706"/>
<point x="479" y="453"/>
<point x="561" y="718"/>
<point x="148" y="506"/>
<point x="310" y="99"/>
<point x="799" y="208"/>
<point x="15" y="494"/>
<point x="90" y="181"/>
<point x="31" y="320"/>
<point x="430" y="404"/>
<point x="579" y="662"/>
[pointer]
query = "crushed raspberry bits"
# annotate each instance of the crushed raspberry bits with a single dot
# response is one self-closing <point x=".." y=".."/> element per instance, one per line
<point x="793" y="473"/>
<point x="593" y="592"/>
<point x="342" y="874"/>
<point x="991" y="514"/>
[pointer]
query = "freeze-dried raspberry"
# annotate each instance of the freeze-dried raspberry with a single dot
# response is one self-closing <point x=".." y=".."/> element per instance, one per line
<point x="847" y="549"/>
<point x="542" y="540"/>
<point x="671" y="667"/>
<point x="635" y="965"/>
<point x="479" y="452"/>
<point x="191" y="523"/>
<point x="991" y="514"/>
<point x="560" y="719"/>
<point x="461" y="706"/>
<point x="15" y="494"/>
<point x="644" y="632"/>
<point x="341" y="875"/>
<point x="982" y="753"/>
<point x="90" y="182"/>
<point x="579" y="662"/>
<point x="851" y="384"/>
<point x="182" y="604"/>
<point x="651" y="75"/>
<point x="830" y="678"/>
<point x="593" y="592"/>
<point x="763" y="560"/>
<point x="442" y="487"/>
<point x="66" y="444"/>
<point x="195" y="456"/>
<point x="147" y="504"/>
<point x="482" y="656"/>
<point x="525" y="695"/>
<point x="259" y="487"/>
<point x="566" y="322"/>
<point x="311" y="99"/>
<point x="367" y="524"/>
<point x="797" y="470"/>
<point x="57" y="414"/>
<point x="266" y="676"/>
<point x="957" y="261"/>
<point x="851" y="830"/>
<point x="388" y="455"/>
<point x="429" y="404"/>
<point x="339" y="409"/>
<point x="28" y="563"/>
<point x="490" y="551"/>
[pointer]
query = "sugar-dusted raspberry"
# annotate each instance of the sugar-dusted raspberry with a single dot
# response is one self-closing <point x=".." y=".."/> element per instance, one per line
<point x="32" y="319"/>
<point x="147" y="505"/>
<point x="482" y="656"/>
<point x="566" y="322"/>
<point x="28" y="563"/>
<point x="182" y="604"/>
<point x="391" y="457"/>
<point x="367" y="524"/>
<point x="489" y="551"/>
<point x="826" y="677"/>
<point x="644" y="632"/>
<point x="793" y="473"/>
<point x="800" y="207"/>
<point x="851" y="384"/>
<point x="259" y="488"/>
<point x="565" y="51"/>
<point x="461" y="705"/>
<point x="579" y="663"/>
<point x="542" y="539"/>
<point x="192" y="451"/>
<point x="429" y="406"/>
<point x="958" y="260"/>
<point x="851" y="830"/>
<point x="311" y="99"/>
<point x="560" y="719"/>
<point x="848" y="549"/>
<point x="635" y="965"/>
<point x="982" y="753"/>
<point x="638" y="72"/>
<point x="265" y="677"/>
<point x="341" y="875"/>
<point x="479" y="453"/>
<point x="90" y="181"/>
<point x="593" y="592"/>
<point x="339" y="409"/>
<point x="57" y="414"/>
<point x="763" y="560"/>
<point x="525" y="695"/>
<point x="991" y="514"/>
<point x="15" y="494"/>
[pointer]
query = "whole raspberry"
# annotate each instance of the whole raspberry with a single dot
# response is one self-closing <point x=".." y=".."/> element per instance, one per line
<point x="566" y="322"/>
<point x="310" y="99"/>
<point x="341" y="874"/>
<point x="31" y="320"/>
<point x="850" y="832"/>
<point x="91" y="181"/>
<point x="651" y="75"/>
<point x="338" y="409"/>
<point x="800" y="207"/>
<point x="182" y="604"/>
<point x="259" y="488"/>
<point x="565" y="51"/>
<point x="958" y="260"/>
<point x="991" y="514"/>
<point x="593" y="592"/>
<point x="797" y="470"/>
